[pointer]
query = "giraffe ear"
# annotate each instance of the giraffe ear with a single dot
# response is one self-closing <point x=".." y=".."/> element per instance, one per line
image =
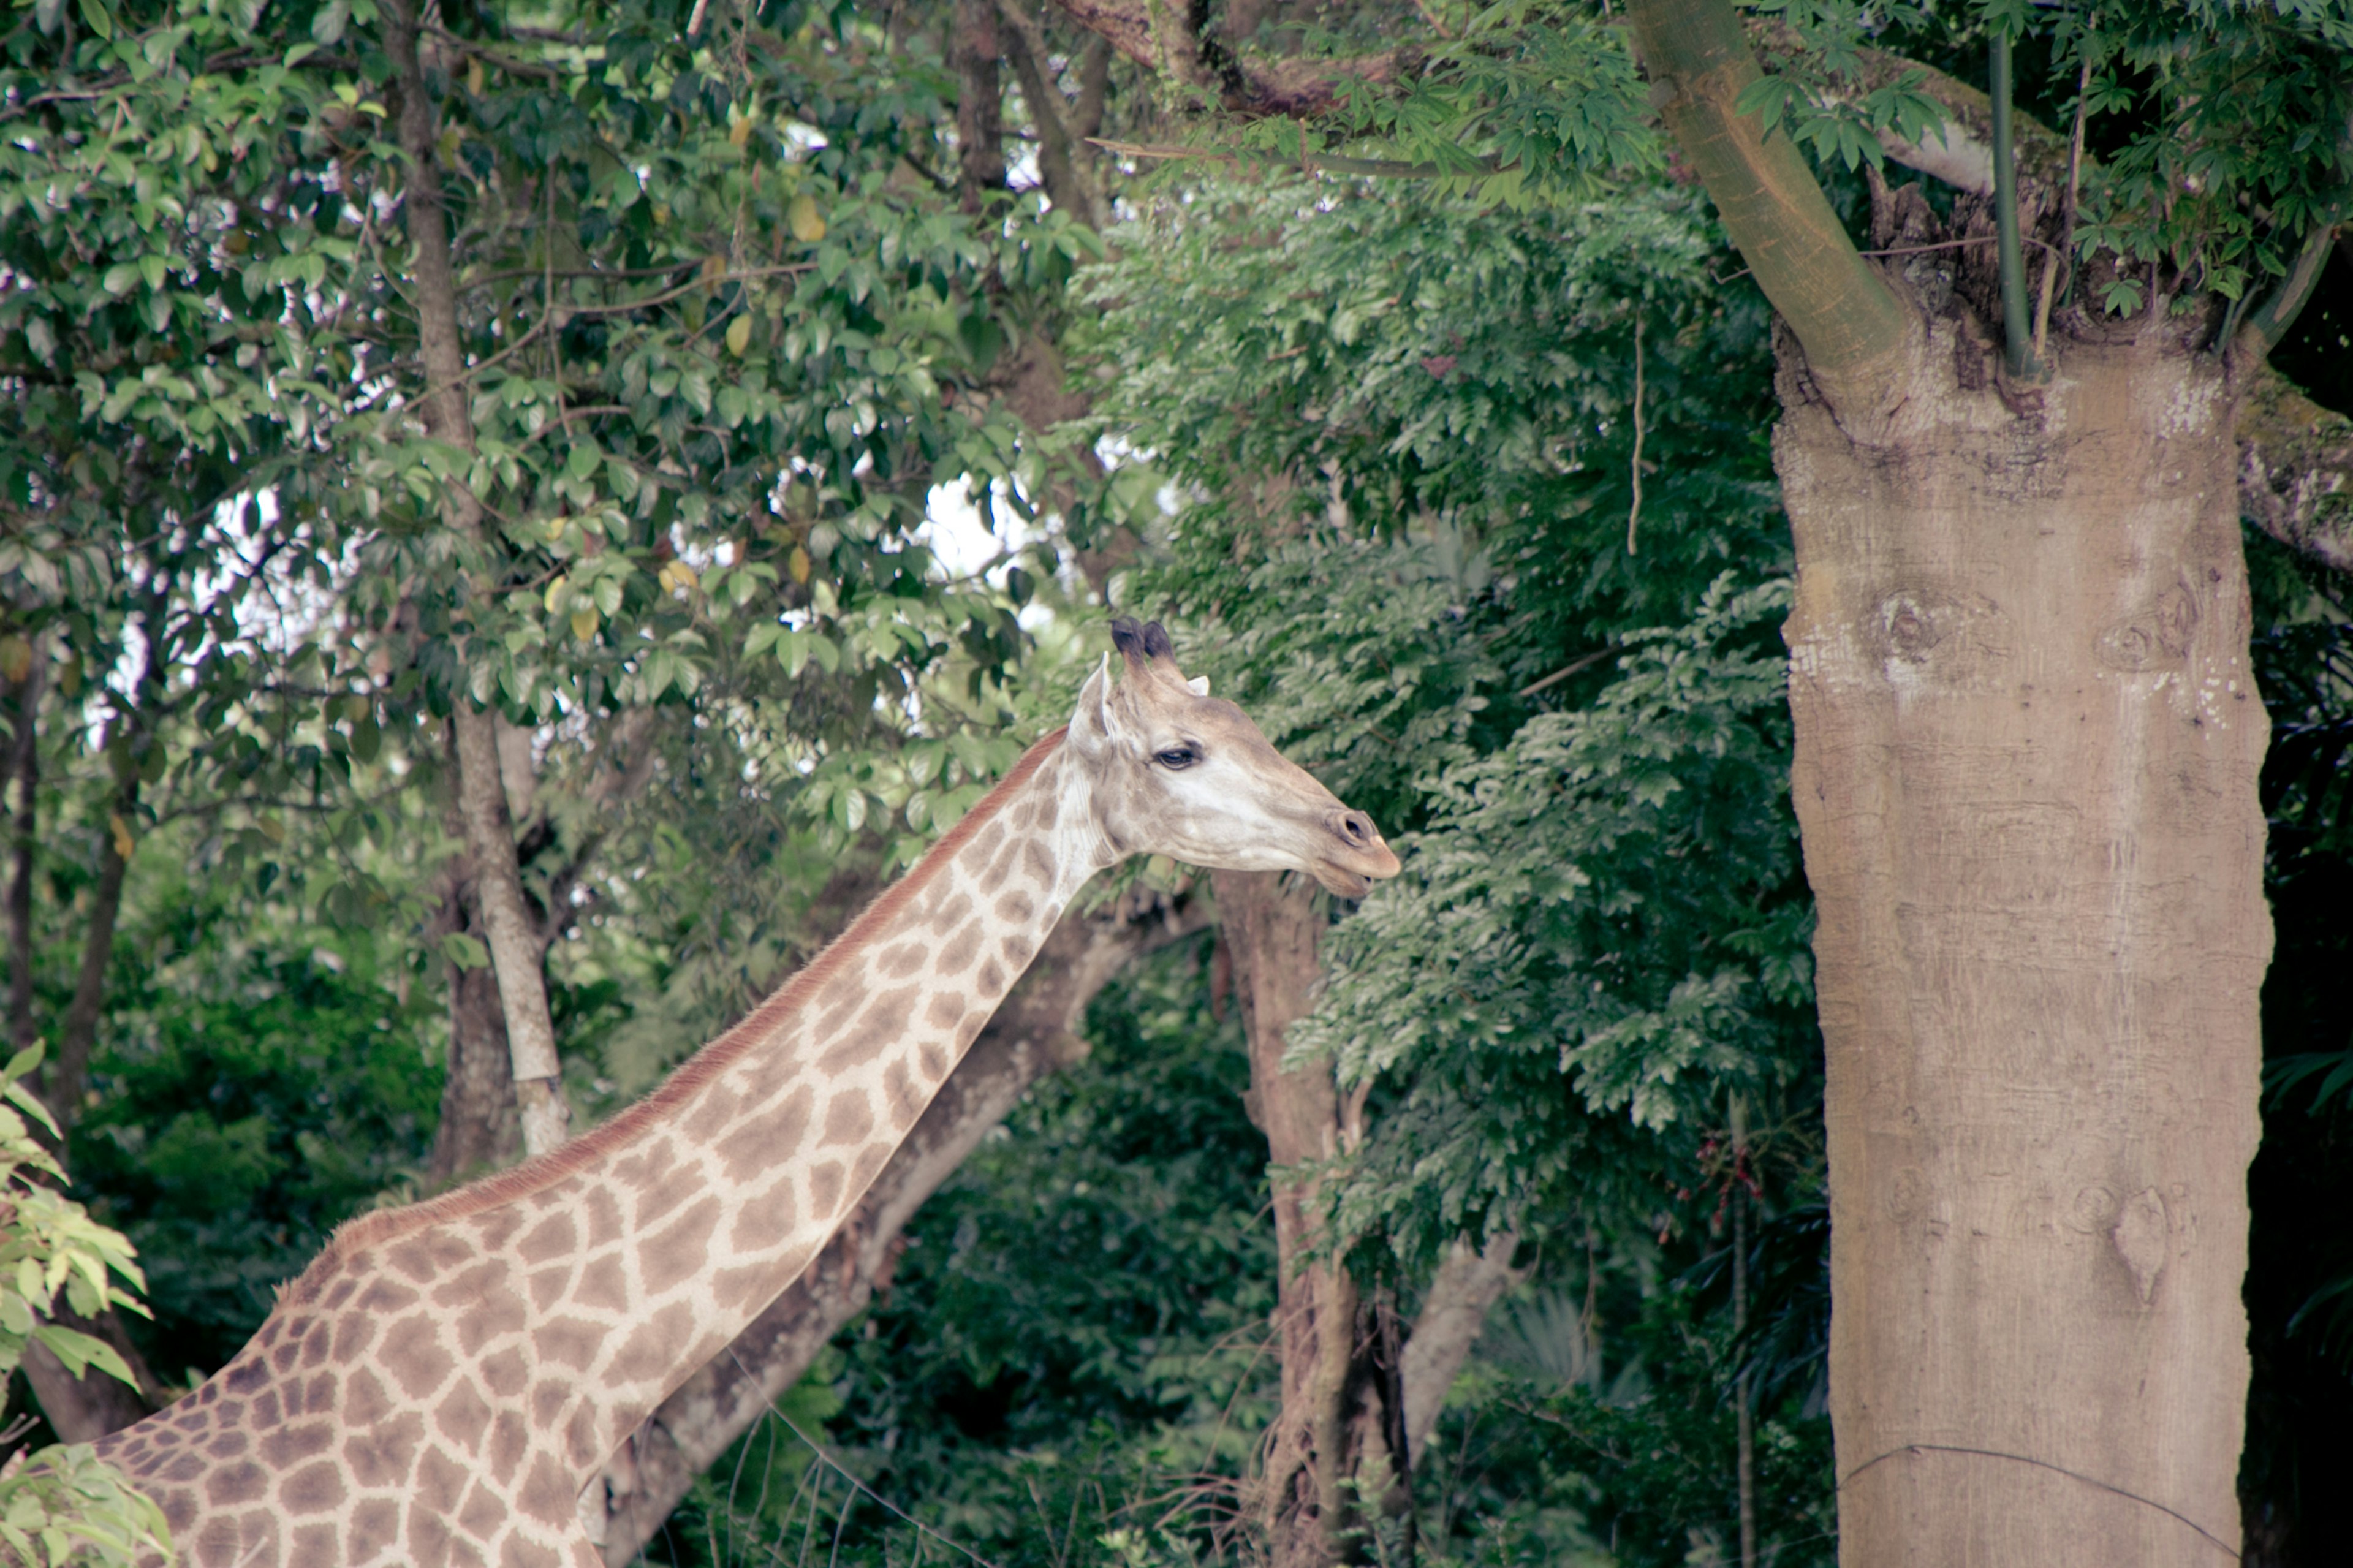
<point x="1198" y="686"/>
<point x="1095" y="725"/>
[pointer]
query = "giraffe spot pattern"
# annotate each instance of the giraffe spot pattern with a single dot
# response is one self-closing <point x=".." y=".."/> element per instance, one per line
<point x="508" y="1438"/>
<point x="652" y="1345"/>
<point x="745" y="1152"/>
<point x="291" y="1445"/>
<point x="482" y="1514"/>
<point x="1038" y="861"/>
<point x="1015" y="908"/>
<point x="603" y="1286"/>
<point x="313" y="1489"/>
<point x="765" y="1221"/>
<point x="504" y="1372"/>
<point x="669" y="1192"/>
<point x="551" y="1238"/>
<point x="375" y="1523"/>
<point x="945" y="1011"/>
<point x="824" y="1188"/>
<point x="604" y="1212"/>
<point x="547" y="1285"/>
<point x="901" y="961"/>
<point x="440" y="1480"/>
<point x="569" y="1342"/>
<point x="898" y="1094"/>
<point x="958" y="952"/>
<point x="412" y="1352"/>
<point x="1017" y="951"/>
<point x="849" y="1118"/>
<point x="678" y="1251"/>
<point x="462" y="1417"/>
<point x="951" y="914"/>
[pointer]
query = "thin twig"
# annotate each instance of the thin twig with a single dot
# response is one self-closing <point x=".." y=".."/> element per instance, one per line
<point x="1565" y="671"/>
<point x="1634" y="513"/>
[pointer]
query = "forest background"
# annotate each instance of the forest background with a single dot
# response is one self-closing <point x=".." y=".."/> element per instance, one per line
<point x="1462" y="485"/>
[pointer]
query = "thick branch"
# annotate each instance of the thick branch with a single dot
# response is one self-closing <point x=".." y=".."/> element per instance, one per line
<point x="1058" y="152"/>
<point x="1699" y="62"/>
<point x="1158" y="36"/>
<point x="1453" y="1313"/>
<point x="2296" y="470"/>
<point x="1033" y="1033"/>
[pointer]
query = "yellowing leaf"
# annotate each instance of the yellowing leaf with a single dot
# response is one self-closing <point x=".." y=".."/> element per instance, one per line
<point x="797" y="564"/>
<point x="123" y="842"/>
<point x="739" y="335"/>
<point x="739" y="132"/>
<point x="555" y="593"/>
<point x="474" y="76"/>
<point x="806" y="223"/>
<point x="584" y="623"/>
<point x="15" y="658"/>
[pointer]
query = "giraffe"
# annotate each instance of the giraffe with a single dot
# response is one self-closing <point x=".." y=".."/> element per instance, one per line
<point x="444" y="1380"/>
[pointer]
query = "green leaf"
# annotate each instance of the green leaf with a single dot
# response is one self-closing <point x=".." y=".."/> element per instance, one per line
<point x="464" y="951"/>
<point x="100" y="20"/>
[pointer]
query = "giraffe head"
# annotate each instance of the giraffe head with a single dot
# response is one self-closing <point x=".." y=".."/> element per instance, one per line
<point x="1177" y="772"/>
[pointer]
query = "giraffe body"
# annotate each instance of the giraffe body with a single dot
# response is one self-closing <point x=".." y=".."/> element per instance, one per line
<point x="439" y="1385"/>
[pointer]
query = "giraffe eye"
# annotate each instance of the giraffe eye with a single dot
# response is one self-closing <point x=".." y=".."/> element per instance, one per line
<point x="1177" y="757"/>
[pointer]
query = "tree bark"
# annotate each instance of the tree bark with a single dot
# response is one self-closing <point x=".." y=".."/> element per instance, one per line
<point x="515" y="956"/>
<point x="1339" y="1438"/>
<point x="1033" y="1033"/>
<point x="2027" y="745"/>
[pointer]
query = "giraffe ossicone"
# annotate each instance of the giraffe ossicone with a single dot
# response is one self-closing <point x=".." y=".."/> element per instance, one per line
<point x="444" y="1380"/>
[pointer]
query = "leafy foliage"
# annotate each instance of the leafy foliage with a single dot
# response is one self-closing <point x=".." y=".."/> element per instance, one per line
<point x="63" y="1501"/>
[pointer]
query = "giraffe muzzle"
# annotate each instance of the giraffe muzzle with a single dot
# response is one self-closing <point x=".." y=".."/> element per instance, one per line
<point x="1360" y="856"/>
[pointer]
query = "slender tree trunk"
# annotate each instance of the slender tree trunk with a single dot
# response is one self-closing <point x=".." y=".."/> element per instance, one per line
<point x="1744" y="1417"/>
<point x="516" y="957"/>
<point x="1034" y="1034"/>
<point x="83" y="1409"/>
<point x="25" y="774"/>
<point x="1336" y="1441"/>
<point x="2027" y="745"/>
<point x="974" y="53"/>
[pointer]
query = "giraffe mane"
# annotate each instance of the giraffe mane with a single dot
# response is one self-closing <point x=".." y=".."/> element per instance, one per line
<point x="537" y="1174"/>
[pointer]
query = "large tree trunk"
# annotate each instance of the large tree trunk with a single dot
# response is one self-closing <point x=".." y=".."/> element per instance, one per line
<point x="1033" y="1033"/>
<point x="2027" y="745"/>
<point x="1339" y="1440"/>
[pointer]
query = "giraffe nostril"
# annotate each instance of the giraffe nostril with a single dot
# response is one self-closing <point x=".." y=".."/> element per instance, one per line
<point x="1355" y="827"/>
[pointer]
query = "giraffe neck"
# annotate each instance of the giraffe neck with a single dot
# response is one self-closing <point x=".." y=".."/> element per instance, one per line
<point x="512" y="1333"/>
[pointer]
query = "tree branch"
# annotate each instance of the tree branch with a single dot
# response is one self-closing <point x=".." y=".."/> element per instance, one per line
<point x="2296" y="470"/>
<point x="1058" y="150"/>
<point x="1453" y="1312"/>
<point x="1699" y="61"/>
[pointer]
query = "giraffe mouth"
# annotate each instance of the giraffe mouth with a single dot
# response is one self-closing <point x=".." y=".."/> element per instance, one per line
<point x="1346" y="882"/>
